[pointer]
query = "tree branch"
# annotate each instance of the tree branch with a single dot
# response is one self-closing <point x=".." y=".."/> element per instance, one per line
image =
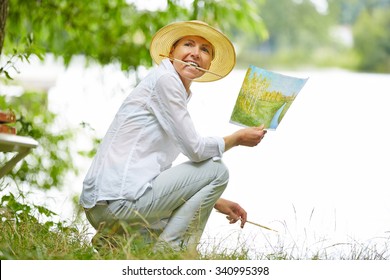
<point x="3" y="19"/>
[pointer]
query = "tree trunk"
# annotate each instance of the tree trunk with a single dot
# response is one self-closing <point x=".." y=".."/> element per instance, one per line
<point x="3" y="19"/>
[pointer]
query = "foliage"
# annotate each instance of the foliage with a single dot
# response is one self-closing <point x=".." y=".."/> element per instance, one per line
<point x="302" y="35"/>
<point x="369" y="20"/>
<point x="372" y="40"/>
<point x="347" y="12"/>
<point x="10" y="62"/>
<point x="297" y="30"/>
<point x="293" y="24"/>
<point x="113" y="30"/>
<point x="47" y="165"/>
<point x="30" y="232"/>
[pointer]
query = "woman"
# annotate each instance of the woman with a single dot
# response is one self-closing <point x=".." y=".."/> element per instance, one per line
<point x="131" y="181"/>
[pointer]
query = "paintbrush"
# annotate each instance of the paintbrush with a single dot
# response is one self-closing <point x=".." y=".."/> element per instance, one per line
<point x="256" y="224"/>
<point x="261" y="226"/>
<point x="191" y="64"/>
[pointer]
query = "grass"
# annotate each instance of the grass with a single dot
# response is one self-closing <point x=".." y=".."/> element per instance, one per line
<point x="30" y="232"/>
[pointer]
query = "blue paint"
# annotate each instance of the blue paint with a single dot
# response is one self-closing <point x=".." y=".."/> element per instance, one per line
<point x="275" y="120"/>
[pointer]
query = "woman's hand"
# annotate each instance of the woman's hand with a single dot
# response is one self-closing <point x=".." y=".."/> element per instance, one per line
<point x="232" y="209"/>
<point x="250" y="137"/>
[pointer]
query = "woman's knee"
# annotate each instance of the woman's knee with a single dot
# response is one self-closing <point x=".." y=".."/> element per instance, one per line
<point x="221" y="171"/>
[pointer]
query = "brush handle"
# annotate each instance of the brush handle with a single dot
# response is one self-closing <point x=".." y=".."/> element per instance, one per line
<point x="255" y="224"/>
<point x="190" y="64"/>
<point x="261" y="226"/>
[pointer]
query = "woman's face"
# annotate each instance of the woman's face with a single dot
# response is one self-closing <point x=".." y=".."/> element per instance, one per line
<point x="192" y="49"/>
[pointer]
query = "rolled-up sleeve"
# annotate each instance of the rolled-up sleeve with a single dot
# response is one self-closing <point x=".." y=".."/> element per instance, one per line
<point x="221" y="147"/>
<point x="169" y="101"/>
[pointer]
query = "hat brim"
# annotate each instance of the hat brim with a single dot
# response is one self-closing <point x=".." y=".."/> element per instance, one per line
<point x="224" y="54"/>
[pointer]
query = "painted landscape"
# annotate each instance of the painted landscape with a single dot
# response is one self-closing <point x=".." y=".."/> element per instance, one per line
<point x="265" y="97"/>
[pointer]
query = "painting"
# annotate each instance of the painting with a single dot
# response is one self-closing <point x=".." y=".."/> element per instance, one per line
<point x="265" y="97"/>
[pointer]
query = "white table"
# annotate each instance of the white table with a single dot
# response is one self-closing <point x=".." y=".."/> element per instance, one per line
<point x="15" y="143"/>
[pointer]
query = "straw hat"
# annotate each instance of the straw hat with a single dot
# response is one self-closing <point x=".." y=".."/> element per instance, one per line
<point x="224" y="54"/>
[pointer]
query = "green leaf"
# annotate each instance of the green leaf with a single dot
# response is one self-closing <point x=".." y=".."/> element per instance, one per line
<point x="7" y="75"/>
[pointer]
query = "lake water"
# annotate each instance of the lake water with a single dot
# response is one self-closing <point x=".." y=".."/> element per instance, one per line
<point x="320" y="179"/>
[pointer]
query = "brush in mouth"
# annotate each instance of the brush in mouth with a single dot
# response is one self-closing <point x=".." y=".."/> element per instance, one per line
<point x="193" y="64"/>
<point x="190" y="63"/>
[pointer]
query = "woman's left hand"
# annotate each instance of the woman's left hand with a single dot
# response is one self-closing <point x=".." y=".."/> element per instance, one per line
<point x="249" y="137"/>
<point x="233" y="211"/>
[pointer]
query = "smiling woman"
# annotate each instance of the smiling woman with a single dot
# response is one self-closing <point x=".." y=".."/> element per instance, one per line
<point x="223" y="58"/>
<point x="131" y="184"/>
<point x="196" y="52"/>
<point x="191" y="64"/>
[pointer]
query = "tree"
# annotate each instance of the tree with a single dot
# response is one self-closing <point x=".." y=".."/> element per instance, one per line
<point x="48" y="164"/>
<point x="3" y="17"/>
<point x="296" y="29"/>
<point x="372" y="40"/>
<point x="109" y="31"/>
<point x="370" y="21"/>
<point x="347" y="12"/>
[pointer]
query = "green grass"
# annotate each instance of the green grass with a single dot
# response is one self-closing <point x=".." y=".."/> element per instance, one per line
<point x="30" y="232"/>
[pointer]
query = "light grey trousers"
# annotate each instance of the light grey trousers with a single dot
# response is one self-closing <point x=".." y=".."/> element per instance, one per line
<point x="177" y="206"/>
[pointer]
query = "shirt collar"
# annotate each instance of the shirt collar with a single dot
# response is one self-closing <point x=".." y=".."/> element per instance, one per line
<point x="169" y="66"/>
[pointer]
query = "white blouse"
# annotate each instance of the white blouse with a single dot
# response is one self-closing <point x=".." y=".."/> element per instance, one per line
<point x="147" y="134"/>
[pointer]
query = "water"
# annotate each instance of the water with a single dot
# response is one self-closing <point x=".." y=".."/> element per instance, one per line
<point x="320" y="179"/>
<point x="275" y="119"/>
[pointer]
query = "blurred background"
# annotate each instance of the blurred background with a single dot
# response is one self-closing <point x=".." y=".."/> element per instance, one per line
<point x="65" y="67"/>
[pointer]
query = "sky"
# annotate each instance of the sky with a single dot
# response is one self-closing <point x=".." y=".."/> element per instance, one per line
<point x="287" y="85"/>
